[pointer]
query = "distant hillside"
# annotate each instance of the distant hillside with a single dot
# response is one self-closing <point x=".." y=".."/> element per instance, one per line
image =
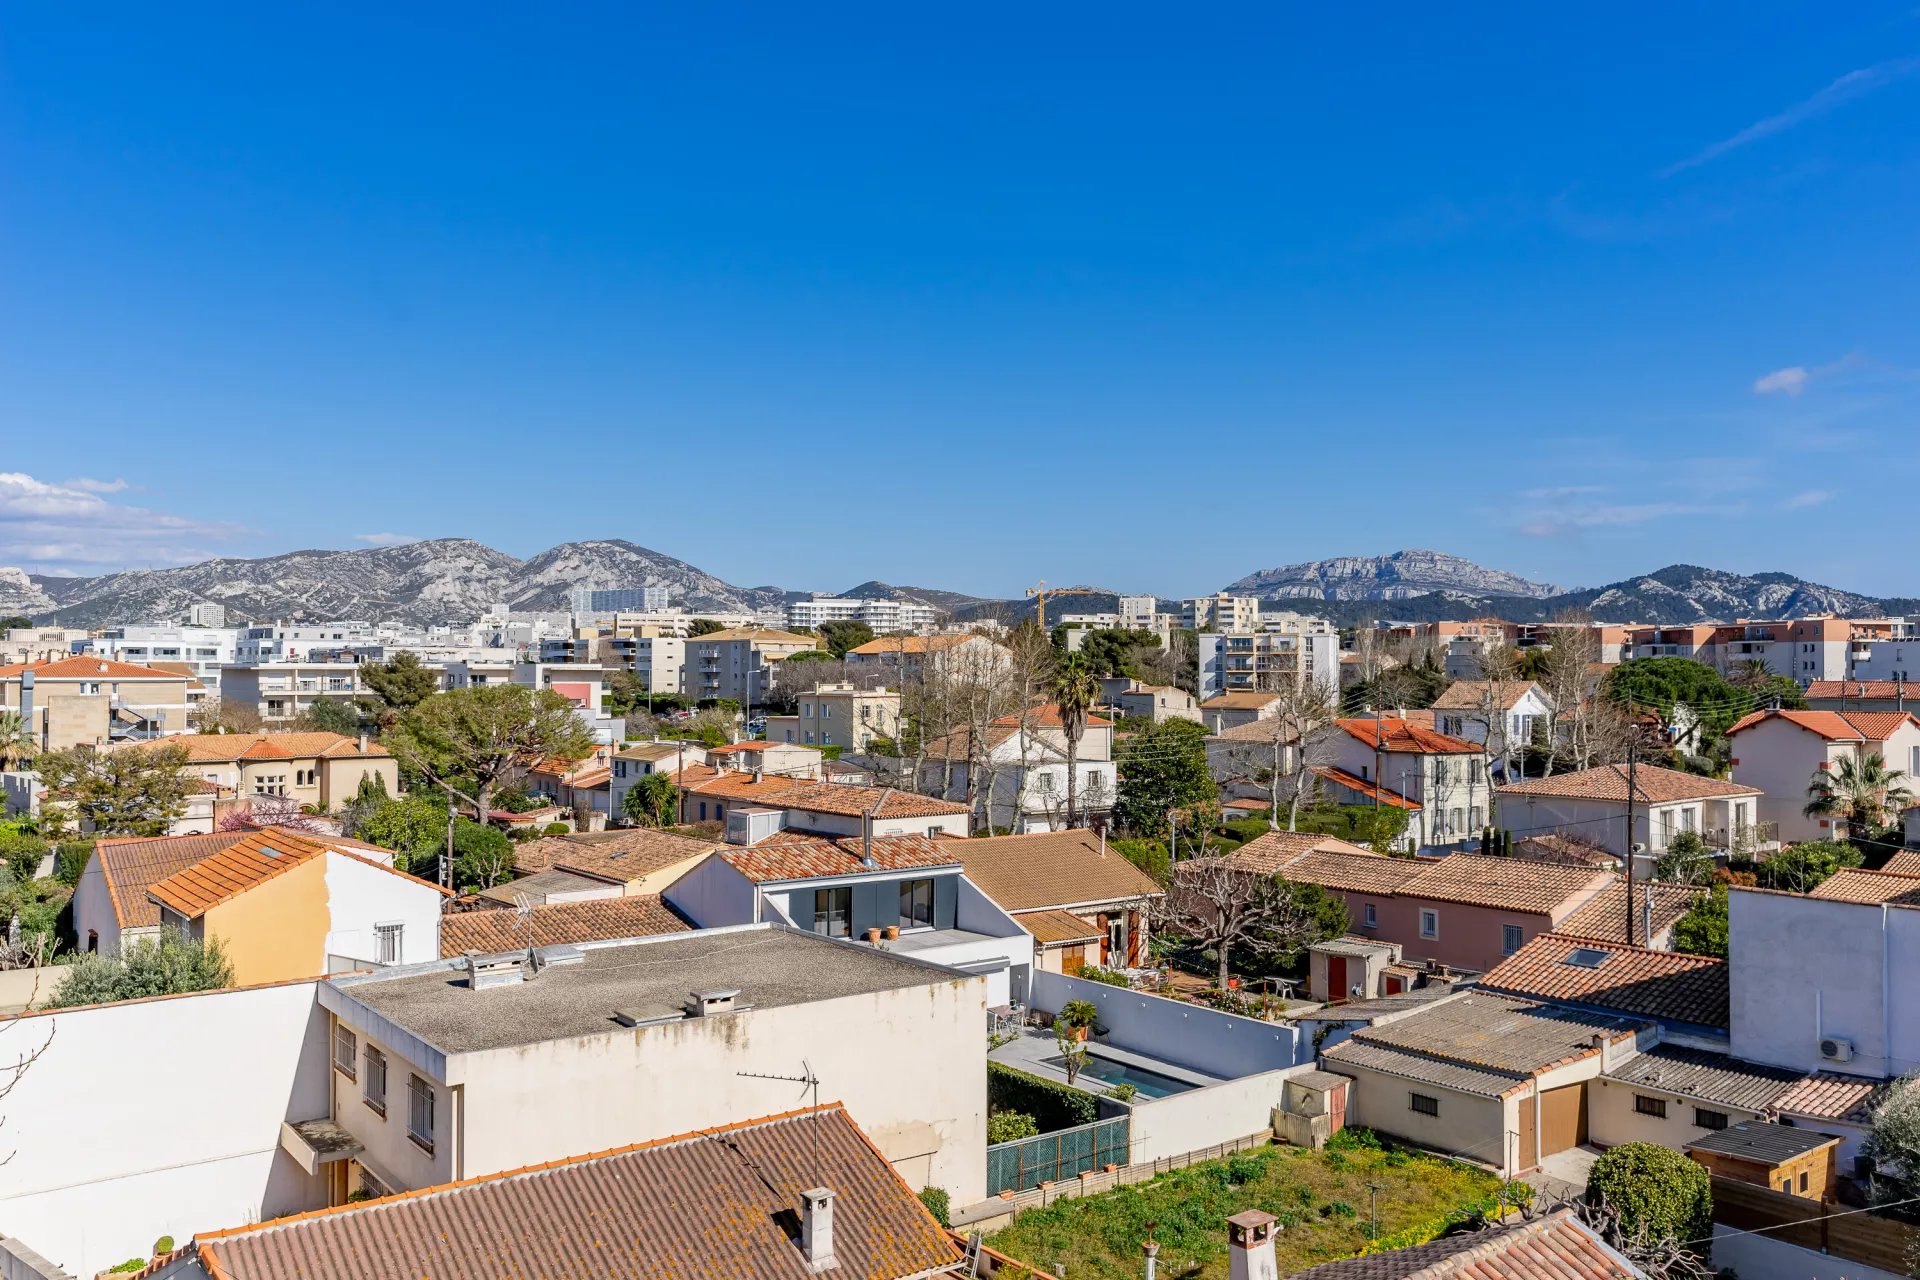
<point x="1400" y="576"/>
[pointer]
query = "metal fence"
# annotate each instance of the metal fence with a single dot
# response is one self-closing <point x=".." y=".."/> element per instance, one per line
<point x="1055" y="1157"/>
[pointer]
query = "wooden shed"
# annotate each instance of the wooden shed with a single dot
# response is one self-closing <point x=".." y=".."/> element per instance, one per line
<point x="1799" y="1162"/>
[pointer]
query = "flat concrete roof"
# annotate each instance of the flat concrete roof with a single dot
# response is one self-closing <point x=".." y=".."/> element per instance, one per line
<point x="770" y="965"/>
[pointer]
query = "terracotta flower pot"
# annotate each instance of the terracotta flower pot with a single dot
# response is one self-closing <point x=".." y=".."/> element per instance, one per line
<point x="873" y="935"/>
<point x="1080" y="1034"/>
<point x="893" y="932"/>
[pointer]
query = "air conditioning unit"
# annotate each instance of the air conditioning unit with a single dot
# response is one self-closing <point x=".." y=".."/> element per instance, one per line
<point x="1835" y="1049"/>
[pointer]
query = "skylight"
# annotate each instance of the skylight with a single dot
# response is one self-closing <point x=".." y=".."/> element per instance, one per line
<point x="1586" y="958"/>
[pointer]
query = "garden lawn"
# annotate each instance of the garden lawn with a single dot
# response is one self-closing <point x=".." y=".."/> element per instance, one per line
<point x="1320" y="1198"/>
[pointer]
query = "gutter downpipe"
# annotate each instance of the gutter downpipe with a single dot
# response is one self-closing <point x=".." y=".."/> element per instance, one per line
<point x="1886" y="998"/>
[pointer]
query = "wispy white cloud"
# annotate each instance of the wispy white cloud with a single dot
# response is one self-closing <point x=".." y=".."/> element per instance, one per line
<point x="385" y="539"/>
<point x="87" y="485"/>
<point x="1854" y="84"/>
<point x="73" y="528"/>
<point x="1808" y="498"/>
<point x="1572" y="518"/>
<point x="1790" y="381"/>
<point x="1563" y="491"/>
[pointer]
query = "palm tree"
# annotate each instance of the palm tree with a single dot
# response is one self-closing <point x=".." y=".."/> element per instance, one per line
<point x="1750" y="675"/>
<point x="1075" y="690"/>
<point x="16" y="739"/>
<point x="1859" y="791"/>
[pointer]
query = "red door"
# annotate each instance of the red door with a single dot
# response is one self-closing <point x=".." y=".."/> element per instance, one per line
<point x="1336" y="978"/>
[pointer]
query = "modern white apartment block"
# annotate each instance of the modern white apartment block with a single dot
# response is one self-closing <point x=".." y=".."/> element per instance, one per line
<point x="206" y="614"/>
<point x="297" y="641"/>
<point x="882" y="615"/>
<point x="646" y="599"/>
<point x="204" y="649"/>
<point x="282" y="691"/>
<point x="1263" y="661"/>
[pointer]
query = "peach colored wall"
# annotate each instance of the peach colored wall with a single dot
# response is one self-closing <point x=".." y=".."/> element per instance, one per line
<point x="276" y="931"/>
<point x="1470" y="937"/>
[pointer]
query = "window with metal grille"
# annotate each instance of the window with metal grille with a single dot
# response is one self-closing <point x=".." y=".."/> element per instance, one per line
<point x="1425" y="1104"/>
<point x="1656" y="1107"/>
<point x="1429" y="924"/>
<point x="420" y="1111"/>
<point x="1509" y="939"/>
<point x="1704" y="1119"/>
<point x="386" y="938"/>
<point x="346" y="1051"/>
<point x="373" y="1087"/>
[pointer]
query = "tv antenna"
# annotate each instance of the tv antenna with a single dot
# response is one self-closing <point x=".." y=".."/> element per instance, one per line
<point x="807" y="1080"/>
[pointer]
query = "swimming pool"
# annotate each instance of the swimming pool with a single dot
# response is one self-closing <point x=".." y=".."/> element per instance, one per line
<point x="1147" y="1083"/>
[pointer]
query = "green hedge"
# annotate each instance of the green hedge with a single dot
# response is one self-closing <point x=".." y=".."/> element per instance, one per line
<point x="1054" y="1105"/>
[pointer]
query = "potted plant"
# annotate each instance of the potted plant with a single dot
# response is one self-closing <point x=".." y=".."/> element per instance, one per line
<point x="893" y="932"/>
<point x="1080" y="1015"/>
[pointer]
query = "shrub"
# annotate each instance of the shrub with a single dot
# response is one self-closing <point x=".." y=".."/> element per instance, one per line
<point x="167" y="965"/>
<point x="1355" y="1138"/>
<point x="1337" y="1209"/>
<point x="1242" y="1169"/>
<point x="557" y="829"/>
<point x="1656" y="1191"/>
<point x="70" y="861"/>
<point x="1080" y="1013"/>
<point x="1107" y="977"/>
<point x="1011" y="1126"/>
<point x="164" y="1245"/>
<point x="1122" y="1092"/>
<point x="1053" y="1105"/>
<point x="938" y="1203"/>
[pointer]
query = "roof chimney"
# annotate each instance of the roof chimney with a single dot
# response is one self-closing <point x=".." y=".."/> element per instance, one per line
<point x="816" y="1228"/>
<point x="707" y="1004"/>
<point x="1250" y="1246"/>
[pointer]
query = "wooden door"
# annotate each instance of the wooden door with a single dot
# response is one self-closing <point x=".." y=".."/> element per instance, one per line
<point x="1336" y="978"/>
<point x="1073" y="959"/>
<point x="1523" y="1154"/>
<point x="1106" y="938"/>
<point x="1133" y="939"/>
<point x="1563" y="1118"/>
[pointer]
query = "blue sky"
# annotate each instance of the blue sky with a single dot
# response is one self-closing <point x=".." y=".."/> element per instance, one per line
<point x="1136" y="295"/>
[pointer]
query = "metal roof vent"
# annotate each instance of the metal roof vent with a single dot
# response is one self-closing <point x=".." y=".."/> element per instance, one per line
<point x="559" y="953"/>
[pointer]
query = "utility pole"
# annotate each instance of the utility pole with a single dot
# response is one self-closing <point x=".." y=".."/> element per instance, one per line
<point x="1633" y="761"/>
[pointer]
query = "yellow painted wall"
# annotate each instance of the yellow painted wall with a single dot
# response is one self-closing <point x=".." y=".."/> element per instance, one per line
<point x="276" y="930"/>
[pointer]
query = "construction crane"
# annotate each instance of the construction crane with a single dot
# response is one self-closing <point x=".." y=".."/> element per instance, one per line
<point x="1040" y="591"/>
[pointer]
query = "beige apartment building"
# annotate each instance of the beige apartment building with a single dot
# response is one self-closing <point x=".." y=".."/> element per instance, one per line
<point x="739" y="663"/>
<point x="283" y="691"/>
<point x="839" y="715"/>
<point x="87" y="701"/>
<point x="319" y="769"/>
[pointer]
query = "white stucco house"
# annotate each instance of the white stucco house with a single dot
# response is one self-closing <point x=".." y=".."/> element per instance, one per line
<point x="1503" y="716"/>
<point x="1022" y="760"/>
<point x="1666" y="802"/>
<point x="1780" y="752"/>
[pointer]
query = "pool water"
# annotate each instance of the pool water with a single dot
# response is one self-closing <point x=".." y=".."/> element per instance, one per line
<point x="1148" y="1084"/>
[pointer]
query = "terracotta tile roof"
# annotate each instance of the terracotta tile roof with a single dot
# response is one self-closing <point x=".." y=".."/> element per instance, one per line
<point x="1360" y="786"/>
<point x="85" y="667"/>
<point x="249" y="862"/>
<point x="718" y="1202"/>
<point x="1051" y="928"/>
<point x="1563" y="846"/>
<point x="1710" y="1077"/>
<point x="1240" y="700"/>
<point x="215" y="748"/>
<point x="617" y="855"/>
<point x="1856" y="884"/>
<point x="818" y="797"/>
<point x="1636" y="980"/>
<point x="1860" y="690"/>
<point x="1053" y="869"/>
<point x="806" y="860"/>
<point x="1904" y="864"/>
<point x="1406" y="736"/>
<point x="1834" y="726"/>
<point x="499" y="929"/>
<point x="1045" y="716"/>
<point x="1653" y="785"/>
<point x="891" y="645"/>
<point x="1508" y="884"/>
<point x="1322" y="860"/>
<point x="761" y="635"/>
<point x="958" y="745"/>
<point x="130" y="866"/>
<point x="1828" y="1095"/>
<point x="1556" y="1247"/>
<point x="1471" y="695"/>
<point x="1604" y="915"/>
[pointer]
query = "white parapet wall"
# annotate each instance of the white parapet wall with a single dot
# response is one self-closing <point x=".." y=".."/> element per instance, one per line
<point x="155" y="1118"/>
<point x="1201" y="1118"/>
<point x="1187" y="1035"/>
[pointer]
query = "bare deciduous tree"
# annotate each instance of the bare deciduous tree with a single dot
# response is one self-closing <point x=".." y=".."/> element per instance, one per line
<point x="1569" y="687"/>
<point x="1225" y="909"/>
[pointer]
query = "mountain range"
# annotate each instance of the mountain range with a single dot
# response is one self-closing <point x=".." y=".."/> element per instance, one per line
<point x="455" y="579"/>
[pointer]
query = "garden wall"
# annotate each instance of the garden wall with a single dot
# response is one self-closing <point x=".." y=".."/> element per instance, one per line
<point x="1187" y="1035"/>
<point x="1183" y="1122"/>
